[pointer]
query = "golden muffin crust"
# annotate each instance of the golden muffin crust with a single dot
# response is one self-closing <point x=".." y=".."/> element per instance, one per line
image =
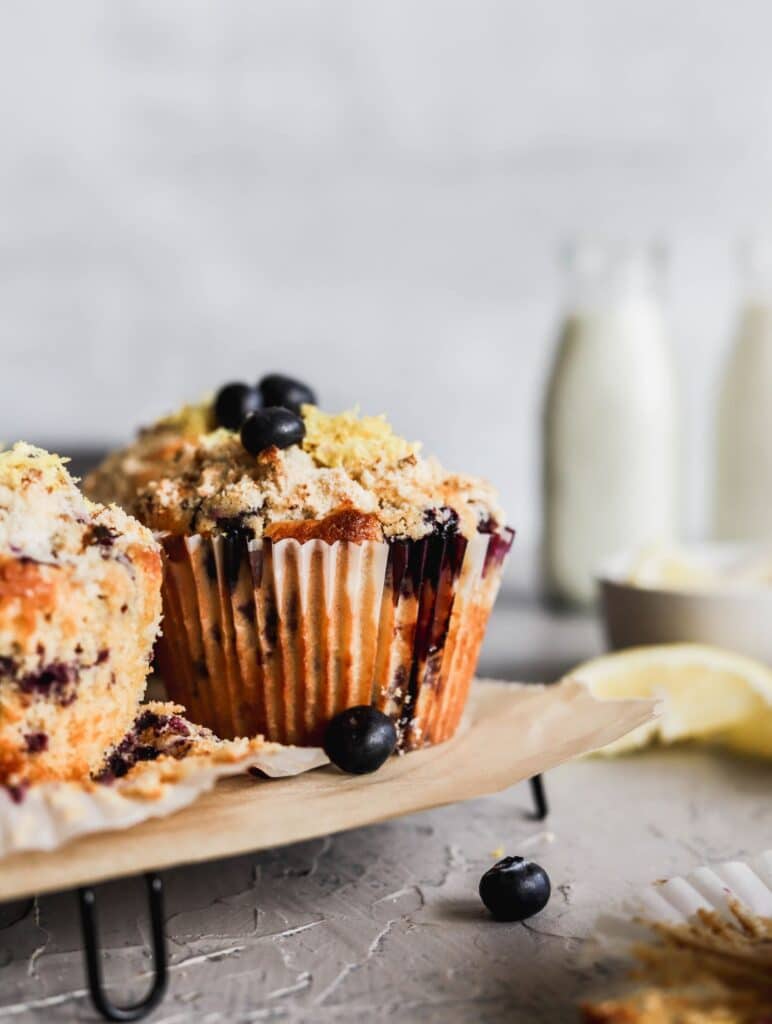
<point x="208" y="483"/>
<point x="80" y="608"/>
<point x="347" y="524"/>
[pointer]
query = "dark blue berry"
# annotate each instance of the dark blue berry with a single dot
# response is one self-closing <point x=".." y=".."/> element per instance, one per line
<point x="270" y="427"/>
<point x="286" y="392"/>
<point x="36" y="742"/>
<point x="360" y="739"/>
<point x="234" y="403"/>
<point x="443" y="521"/>
<point x="515" y="889"/>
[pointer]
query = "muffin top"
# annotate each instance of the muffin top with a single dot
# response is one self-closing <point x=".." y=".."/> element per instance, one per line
<point x="45" y="519"/>
<point x="119" y="477"/>
<point x="349" y="478"/>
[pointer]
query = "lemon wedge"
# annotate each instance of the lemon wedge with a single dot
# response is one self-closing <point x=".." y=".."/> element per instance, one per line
<point x="752" y="736"/>
<point x="703" y="691"/>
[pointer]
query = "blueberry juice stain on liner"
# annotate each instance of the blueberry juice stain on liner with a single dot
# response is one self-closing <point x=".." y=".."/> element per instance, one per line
<point x="425" y="571"/>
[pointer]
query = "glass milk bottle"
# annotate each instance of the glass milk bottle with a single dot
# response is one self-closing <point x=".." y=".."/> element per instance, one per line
<point x="743" y="496"/>
<point x="610" y="431"/>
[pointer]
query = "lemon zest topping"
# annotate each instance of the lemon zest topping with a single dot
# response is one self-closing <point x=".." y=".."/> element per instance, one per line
<point x="351" y="441"/>
<point x="191" y="420"/>
<point x="22" y="460"/>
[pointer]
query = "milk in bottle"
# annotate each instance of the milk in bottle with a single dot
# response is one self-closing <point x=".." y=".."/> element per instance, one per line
<point x="610" y="432"/>
<point x="743" y="491"/>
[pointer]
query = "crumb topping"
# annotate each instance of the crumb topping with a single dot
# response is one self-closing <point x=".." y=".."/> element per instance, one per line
<point x="210" y="483"/>
<point x="44" y="517"/>
<point x="25" y="464"/>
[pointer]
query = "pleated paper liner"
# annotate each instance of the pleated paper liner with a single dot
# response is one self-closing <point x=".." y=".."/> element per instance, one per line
<point x="276" y="638"/>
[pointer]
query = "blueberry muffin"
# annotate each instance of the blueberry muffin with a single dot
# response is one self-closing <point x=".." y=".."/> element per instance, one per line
<point x="314" y="562"/>
<point x="80" y="606"/>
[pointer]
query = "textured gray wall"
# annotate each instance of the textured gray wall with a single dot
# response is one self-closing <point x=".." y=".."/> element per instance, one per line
<point x="367" y="193"/>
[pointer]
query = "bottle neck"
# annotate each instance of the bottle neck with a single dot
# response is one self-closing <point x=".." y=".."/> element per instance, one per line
<point x="755" y="268"/>
<point x="606" y="277"/>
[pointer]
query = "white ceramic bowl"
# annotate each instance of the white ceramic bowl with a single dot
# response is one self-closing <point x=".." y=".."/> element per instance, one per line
<point x="737" y="617"/>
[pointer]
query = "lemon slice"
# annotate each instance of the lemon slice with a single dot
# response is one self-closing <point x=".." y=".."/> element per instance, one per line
<point x="753" y="736"/>
<point x="703" y="690"/>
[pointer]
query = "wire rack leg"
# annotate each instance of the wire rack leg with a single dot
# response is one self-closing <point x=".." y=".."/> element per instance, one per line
<point x="541" y="808"/>
<point x="99" y="997"/>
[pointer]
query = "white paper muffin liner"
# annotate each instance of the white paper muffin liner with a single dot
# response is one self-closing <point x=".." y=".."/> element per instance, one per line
<point x="277" y="637"/>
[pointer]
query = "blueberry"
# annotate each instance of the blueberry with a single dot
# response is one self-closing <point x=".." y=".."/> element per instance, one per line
<point x="515" y="889"/>
<point x="360" y="739"/>
<point x="285" y="391"/>
<point x="269" y="427"/>
<point x="234" y="403"/>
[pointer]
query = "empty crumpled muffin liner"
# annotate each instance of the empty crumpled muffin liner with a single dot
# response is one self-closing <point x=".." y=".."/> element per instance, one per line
<point x="277" y="638"/>
<point x="675" y="901"/>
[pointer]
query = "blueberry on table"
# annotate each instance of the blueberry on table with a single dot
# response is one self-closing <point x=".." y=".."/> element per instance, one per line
<point x="360" y="739"/>
<point x="285" y="391"/>
<point x="515" y="889"/>
<point x="234" y="403"/>
<point x="269" y="427"/>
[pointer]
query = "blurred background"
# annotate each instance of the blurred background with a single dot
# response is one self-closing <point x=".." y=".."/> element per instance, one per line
<point x="371" y="196"/>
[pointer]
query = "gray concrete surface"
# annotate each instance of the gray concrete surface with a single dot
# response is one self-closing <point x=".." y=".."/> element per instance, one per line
<point x="385" y="922"/>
